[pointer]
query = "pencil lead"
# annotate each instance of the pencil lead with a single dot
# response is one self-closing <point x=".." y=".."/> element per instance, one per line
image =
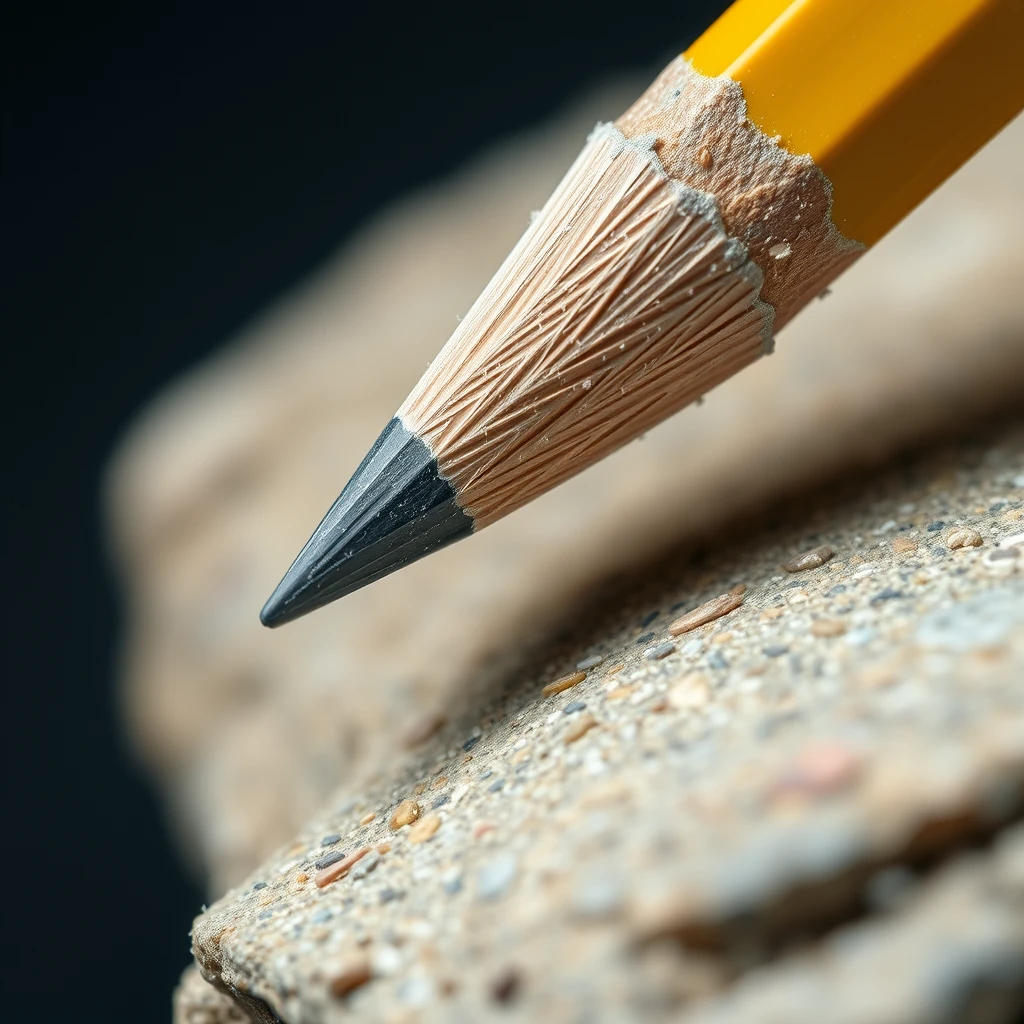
<point x="396" y="508"/>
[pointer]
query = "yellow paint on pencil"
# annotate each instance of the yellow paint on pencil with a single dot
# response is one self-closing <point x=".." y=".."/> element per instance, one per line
<point x="888" y="97"/>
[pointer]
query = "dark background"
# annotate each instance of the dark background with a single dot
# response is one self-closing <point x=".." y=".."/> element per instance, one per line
<point x="167" y="171"/>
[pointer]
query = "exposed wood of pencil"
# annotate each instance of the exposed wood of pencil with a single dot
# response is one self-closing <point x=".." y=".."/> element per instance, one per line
<point x="634" y="291"/>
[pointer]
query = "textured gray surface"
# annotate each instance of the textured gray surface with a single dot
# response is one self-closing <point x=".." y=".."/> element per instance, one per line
<point x="736" y="809"/>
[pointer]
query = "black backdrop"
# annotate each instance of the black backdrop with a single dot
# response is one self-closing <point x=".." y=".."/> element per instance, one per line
<point x="168" y="170"/>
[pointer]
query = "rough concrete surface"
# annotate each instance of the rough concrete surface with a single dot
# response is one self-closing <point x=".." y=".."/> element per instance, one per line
<point x="198" y="1002"/>
<point x="812" y="793"/>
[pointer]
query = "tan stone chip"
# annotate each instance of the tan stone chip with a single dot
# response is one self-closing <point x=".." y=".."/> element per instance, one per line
<point x="965" y="538"/>
<point x="340" y="868"/>
<point x="565" y="683"/>
<point x="422" y="830"/>
<point x="405" y="814"/>
<point x="812" y="559"/>
<point x="354" y="973"/>
<point x="707" y="612"/>
<point x="580" y="727"/>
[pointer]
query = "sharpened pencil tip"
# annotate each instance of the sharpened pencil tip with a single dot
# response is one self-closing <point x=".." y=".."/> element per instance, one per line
<point x="272" y="613"/>
<point x="396" y="508"/>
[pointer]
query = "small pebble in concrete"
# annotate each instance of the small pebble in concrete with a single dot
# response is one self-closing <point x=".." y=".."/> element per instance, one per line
<point x="367" y="818"/>
<point x="903" y="545"/>
<point x="1002" y="555"/>
<point x="809" y="559"/>
<point x="889" y="594"/>
<point x="341" y="868"/>
<point x="328" y="859"/>
<point x="330" y="840"/>
<point x="828" y="627"/>
<point x="965" y="538"/>
<point x="366" y="865"/>
<point x="649" y="618"/>
<point x="580" y="727"/>
<point x="573" y="706"/>
<point x="353" y="973"/>
<point x="659" y="651"/>
<point x="587" y="663"/>
<point x="936" y="526"/>
<point x="645" y="638"/>
<point x="776" y="650"/>
<point x="565" y="683"/>
<point x="707" y="612"/>
<point x="405" y="814"/>
<point x="424" y="829"/>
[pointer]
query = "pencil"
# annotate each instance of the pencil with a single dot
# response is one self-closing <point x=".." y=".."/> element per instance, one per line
<point x="757" y="167"/>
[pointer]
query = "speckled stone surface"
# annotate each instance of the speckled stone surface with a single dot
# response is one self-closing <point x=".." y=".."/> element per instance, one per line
<point x="734" y="807"/>
<point x="706" y="829"/>
<point x="197" y="1002"/>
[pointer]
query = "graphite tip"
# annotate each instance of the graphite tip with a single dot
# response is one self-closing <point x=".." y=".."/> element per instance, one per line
<point x="396" y="508"/>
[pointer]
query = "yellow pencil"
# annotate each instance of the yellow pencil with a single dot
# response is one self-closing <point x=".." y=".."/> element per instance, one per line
<point x="758" y="166"/>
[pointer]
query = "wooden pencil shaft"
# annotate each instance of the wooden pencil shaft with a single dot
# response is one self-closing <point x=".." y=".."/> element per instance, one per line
<point x="751" y="173"/>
